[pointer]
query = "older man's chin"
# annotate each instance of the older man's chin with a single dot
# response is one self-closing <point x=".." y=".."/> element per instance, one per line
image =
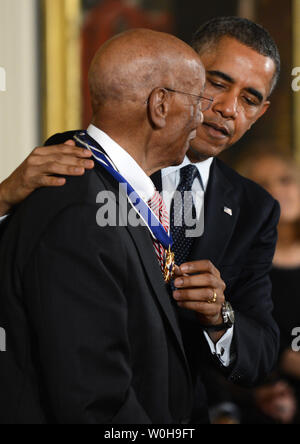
<point x="185" y="149"/>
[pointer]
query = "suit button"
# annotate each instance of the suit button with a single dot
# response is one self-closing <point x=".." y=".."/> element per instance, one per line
<point x="236" y="378"/>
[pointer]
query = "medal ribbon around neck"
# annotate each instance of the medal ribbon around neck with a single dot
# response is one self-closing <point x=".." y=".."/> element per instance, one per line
<point x="155" y="227"/>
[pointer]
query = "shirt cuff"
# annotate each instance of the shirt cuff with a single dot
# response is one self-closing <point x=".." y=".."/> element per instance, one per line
<point x="222" y="349"/>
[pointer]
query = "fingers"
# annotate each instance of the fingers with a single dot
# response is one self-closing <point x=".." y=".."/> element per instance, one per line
<point x="200" y="280"/>
<point x="198" y="295"/>
<point x="177" y="272"/>
<point x="199" y="302"/>
<point x="201" y="308"/>
<point x="65" y="160"/>
<point x="200" y="267"/>
<point x="70" y="143"/>
<point x="197" y="287"/>
<point x="33" y="177"/>
<point x="64" y="166"/>
<point x="66" y="148"/>
<point x="50" y="181"/>
<point x="40" y="170"/>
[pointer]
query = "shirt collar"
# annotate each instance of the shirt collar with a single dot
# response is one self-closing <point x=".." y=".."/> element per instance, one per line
<point x="124" y="163"/>
<point x="203" y="168"/>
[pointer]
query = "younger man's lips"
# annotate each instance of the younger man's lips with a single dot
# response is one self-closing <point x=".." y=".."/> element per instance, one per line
<point x="215" y="131"/>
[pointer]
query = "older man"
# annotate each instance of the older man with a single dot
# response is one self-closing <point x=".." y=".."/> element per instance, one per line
<point x="239" y="236"/>
<point x="91" y="333"/>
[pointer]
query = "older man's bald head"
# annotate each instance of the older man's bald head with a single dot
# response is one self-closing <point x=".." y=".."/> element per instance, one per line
<point x="129" y="66"/>
<point x="130" y="81"/>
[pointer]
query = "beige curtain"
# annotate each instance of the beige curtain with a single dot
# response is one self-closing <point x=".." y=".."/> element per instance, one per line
<point x="19" y="79"/>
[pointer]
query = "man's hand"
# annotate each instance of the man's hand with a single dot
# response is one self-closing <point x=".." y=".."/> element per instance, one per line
<point x="39" y="170"/>
<point x="197" y="284"/>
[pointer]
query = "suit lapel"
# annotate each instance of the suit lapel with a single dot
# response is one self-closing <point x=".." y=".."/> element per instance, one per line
<point x="221" y="216"/>
<point x="143" y="242"/>
<point x="157" y="180"/>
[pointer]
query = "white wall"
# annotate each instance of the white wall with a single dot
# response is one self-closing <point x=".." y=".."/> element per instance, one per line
<point x="19" y="103"/>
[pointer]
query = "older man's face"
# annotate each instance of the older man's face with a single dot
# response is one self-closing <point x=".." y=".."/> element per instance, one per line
<point x="185" y="115"/>
<point x="239" y="79"/>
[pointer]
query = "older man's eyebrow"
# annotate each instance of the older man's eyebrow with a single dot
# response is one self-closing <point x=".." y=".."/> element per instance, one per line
<point x="231" y="80"/>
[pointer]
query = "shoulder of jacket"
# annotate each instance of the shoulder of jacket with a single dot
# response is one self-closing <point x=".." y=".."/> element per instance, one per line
<point x="249" y="191"/>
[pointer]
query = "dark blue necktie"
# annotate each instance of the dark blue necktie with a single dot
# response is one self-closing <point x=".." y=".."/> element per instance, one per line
<point x="183" y="244"/>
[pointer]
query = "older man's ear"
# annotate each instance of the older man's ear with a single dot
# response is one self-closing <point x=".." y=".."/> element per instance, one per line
<point x="158" y="105"/>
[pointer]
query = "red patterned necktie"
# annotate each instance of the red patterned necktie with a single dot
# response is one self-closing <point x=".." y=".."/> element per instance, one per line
<point x="158" y="207"/>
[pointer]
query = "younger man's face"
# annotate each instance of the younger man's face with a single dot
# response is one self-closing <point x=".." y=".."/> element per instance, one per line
<point x="240" y="81"/>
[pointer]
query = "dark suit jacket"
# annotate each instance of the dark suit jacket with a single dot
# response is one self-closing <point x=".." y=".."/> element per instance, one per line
<point x="92" y="336"/>
<point x="242" y="247"/>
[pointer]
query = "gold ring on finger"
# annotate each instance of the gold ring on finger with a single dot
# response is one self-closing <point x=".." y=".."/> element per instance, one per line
<point x="214" y="298"/>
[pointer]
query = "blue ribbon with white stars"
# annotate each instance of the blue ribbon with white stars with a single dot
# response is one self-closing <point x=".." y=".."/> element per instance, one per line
<point x="155" y="227"/>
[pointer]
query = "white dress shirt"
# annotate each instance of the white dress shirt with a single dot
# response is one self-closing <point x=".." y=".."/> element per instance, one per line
<point x="2" y="218"/>
<point x="125" y="164"/>
<point x="171" y="179"/>
<point x="170" y="182"/>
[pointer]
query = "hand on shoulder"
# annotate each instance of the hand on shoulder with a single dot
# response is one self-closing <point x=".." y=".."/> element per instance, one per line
<point x="41" y="169"/>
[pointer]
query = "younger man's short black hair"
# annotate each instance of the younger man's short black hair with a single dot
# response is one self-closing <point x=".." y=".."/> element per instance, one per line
<point x="245" y="31"/>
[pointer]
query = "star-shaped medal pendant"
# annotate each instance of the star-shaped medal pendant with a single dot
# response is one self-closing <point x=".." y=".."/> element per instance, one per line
<point x="169" y="270"/>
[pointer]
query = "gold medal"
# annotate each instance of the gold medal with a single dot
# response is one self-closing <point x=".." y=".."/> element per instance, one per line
<point x="169" y="270"/>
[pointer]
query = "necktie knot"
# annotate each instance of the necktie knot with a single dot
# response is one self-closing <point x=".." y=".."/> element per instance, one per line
<point x="188" y="174"/>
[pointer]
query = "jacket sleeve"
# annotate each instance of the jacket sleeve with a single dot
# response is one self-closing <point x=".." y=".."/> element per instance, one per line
<point x="76" y="300"/>
<point x="256" y="335"/>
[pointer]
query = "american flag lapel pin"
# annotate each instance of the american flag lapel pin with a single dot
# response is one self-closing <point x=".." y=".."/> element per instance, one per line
<point x="228" y="211"/>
